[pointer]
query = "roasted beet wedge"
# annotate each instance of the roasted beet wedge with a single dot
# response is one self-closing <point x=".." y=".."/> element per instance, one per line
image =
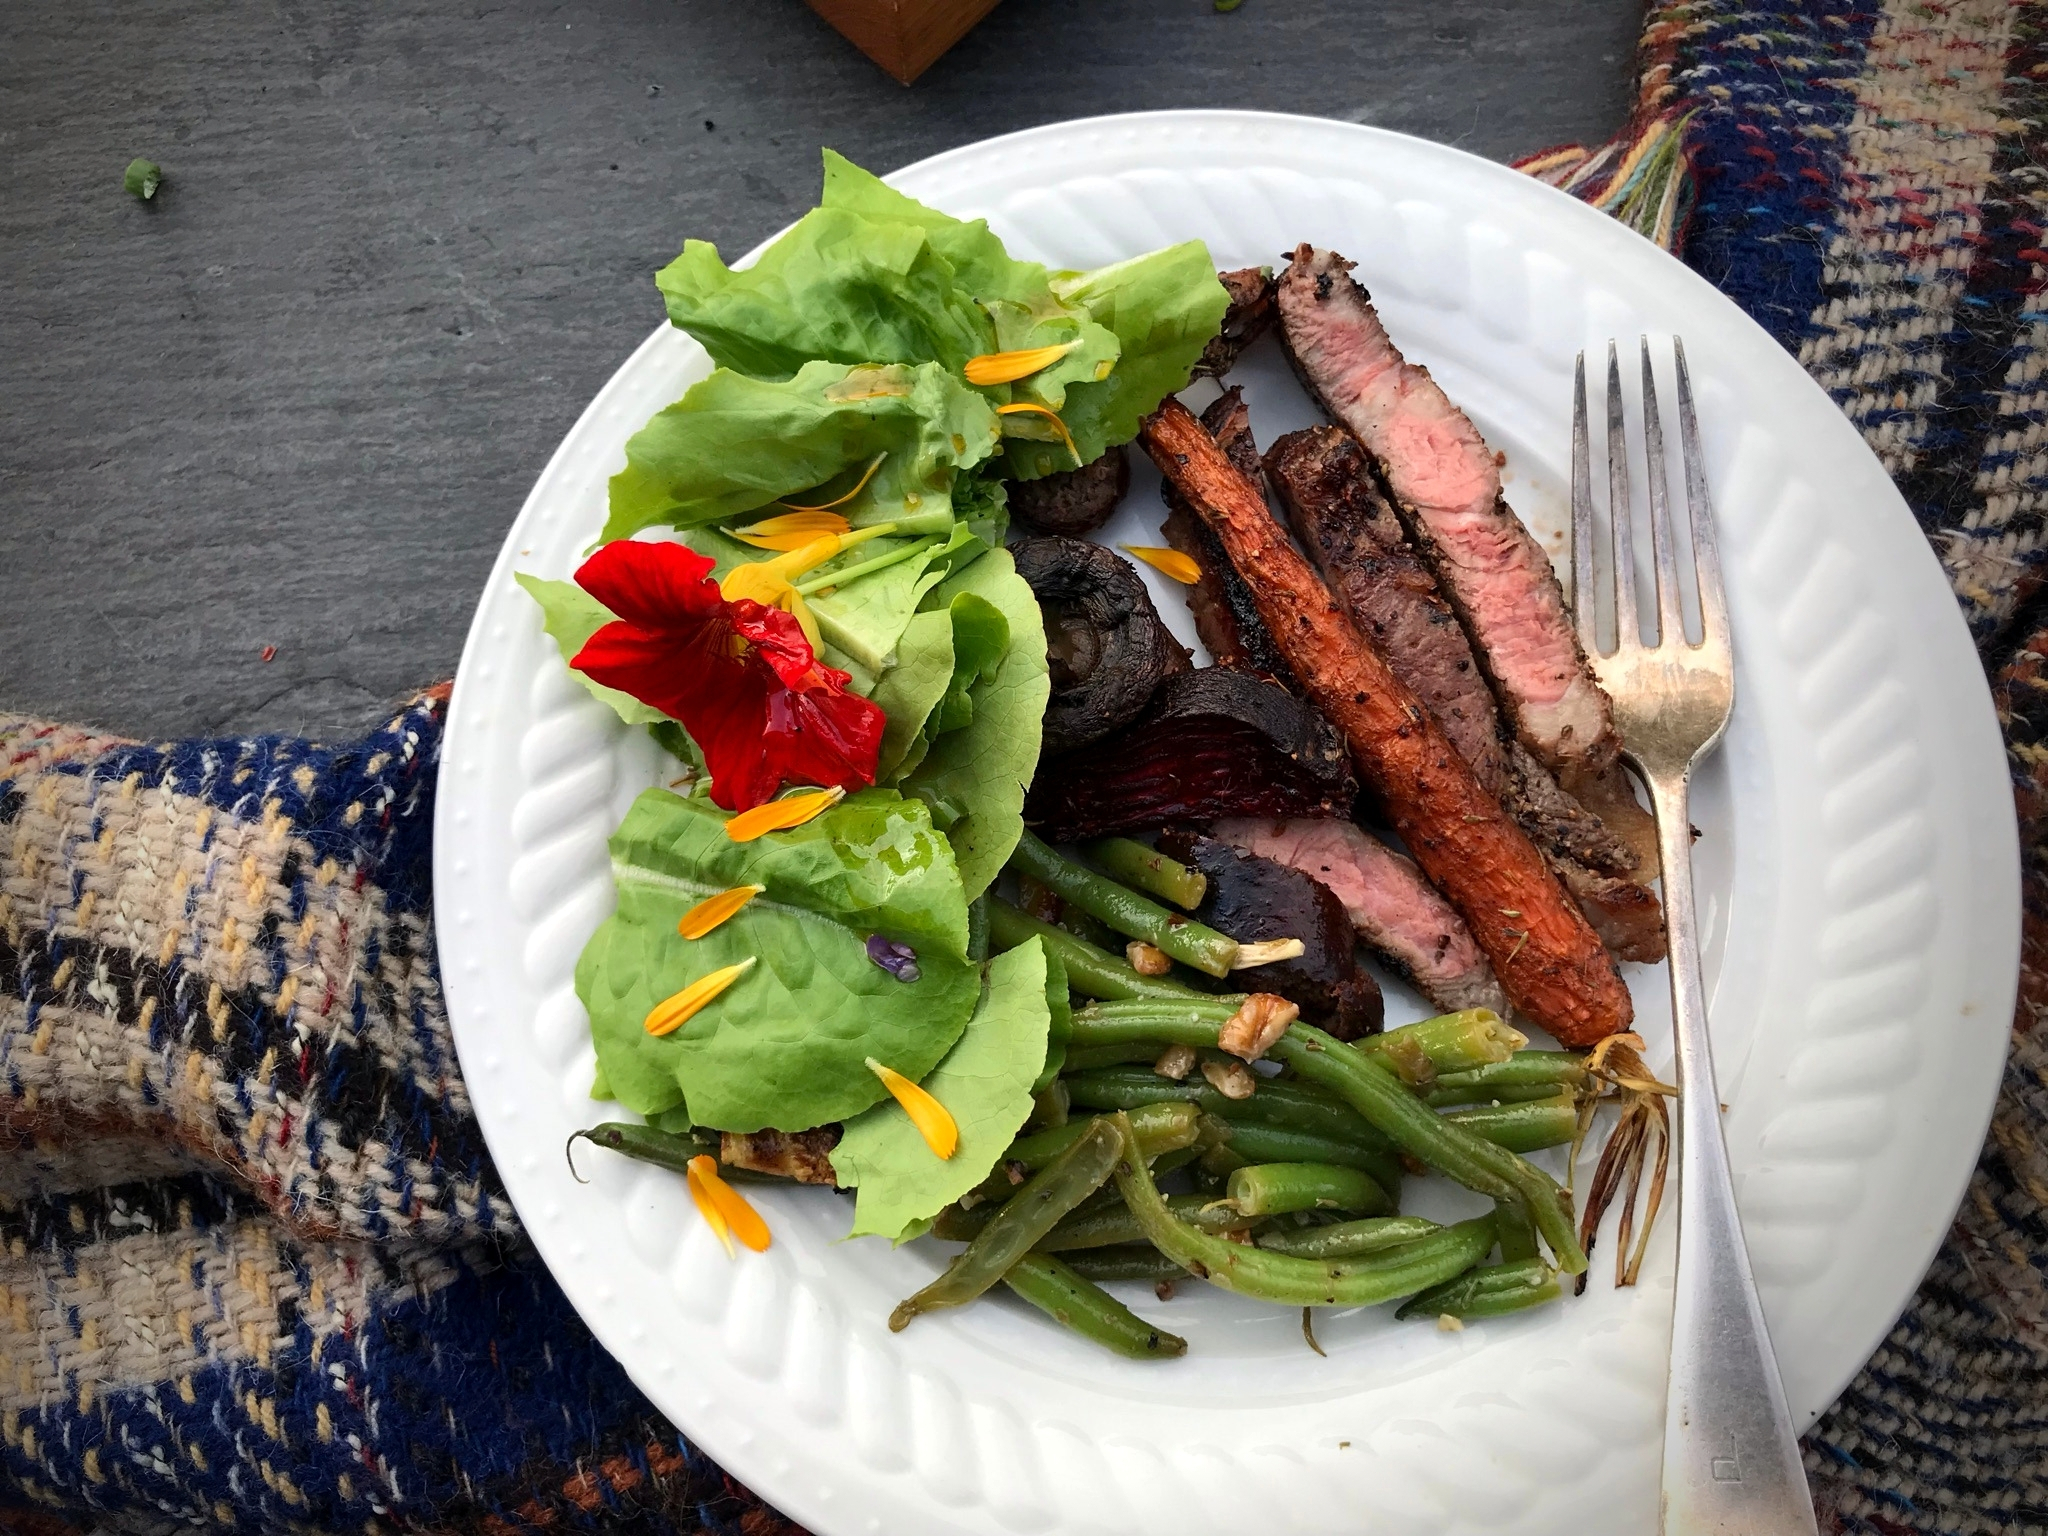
<point x="1251" y="898"/>
<point x="1216" y="742"/>
<point x="1105" y="645"/>
<point x="1225" y="616"/>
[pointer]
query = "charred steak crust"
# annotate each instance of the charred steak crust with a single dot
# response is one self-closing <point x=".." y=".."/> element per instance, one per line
<point x="1073" y="501"/>
<point x="1599" y="869"/>
<point x="1445" y="484"/>
<point x="1331" y="494"/>
<point x="1250" y="316"/>
<point x="1216" y="742"/>
<point x="1251" y="898"/>
<point x="1226" y="618"/>
<point x="1401" y="917"/>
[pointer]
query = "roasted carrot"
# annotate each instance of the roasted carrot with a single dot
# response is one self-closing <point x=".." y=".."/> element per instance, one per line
<point x="1548" y="958"/>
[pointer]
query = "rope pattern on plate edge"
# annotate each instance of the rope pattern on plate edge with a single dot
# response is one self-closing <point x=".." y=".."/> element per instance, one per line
<point x="256" y="1272"/>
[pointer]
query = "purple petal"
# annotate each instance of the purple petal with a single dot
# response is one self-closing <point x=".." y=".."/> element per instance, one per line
<point x="899" y="960"/>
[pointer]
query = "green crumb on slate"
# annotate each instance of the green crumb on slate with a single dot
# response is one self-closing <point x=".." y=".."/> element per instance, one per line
<point x="1228" y="5"/>
<point x="142" y="178"/>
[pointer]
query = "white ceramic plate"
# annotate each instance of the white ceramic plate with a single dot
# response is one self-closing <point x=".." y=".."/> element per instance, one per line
<point x="1858" y="878"/>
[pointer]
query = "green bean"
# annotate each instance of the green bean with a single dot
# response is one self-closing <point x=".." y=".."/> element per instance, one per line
<point x="1076" y="1302"/>
<point x="1348" y="1239"/>
<point x="1049" y="1106"/>
<point x="1150" y="871"/>
<point x="1276" y="1102"/>
<point x="1524" y="1075"/>
<point x="1160" y="1128"/>
<point x="1280" y="1277"/>
<point x="1487" y="1292"/>
<point x="1421" y="1052"/>
<point x="1369" y="1088"/>
<point x="1090" y="971"/>
<point x="1522" y="1127"/>
<point x="1059" y="1005"/>
<point x="1034" y="1211"/>
<point x="977" y="929"/>
<point x="1089" y="1058"/>
<point x="1257" y="1143"/>
<point x="1134" y="1261"/>
<point x="1274" y="1189"/>
<point x="1517" y="1231"/>
<point x="1192" y="943"/>
<point x="1113" y="1224"/>
<point x="666" y="1149"/>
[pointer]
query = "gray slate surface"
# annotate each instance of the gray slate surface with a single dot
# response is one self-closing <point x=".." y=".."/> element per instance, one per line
<point x="297" y="400"/>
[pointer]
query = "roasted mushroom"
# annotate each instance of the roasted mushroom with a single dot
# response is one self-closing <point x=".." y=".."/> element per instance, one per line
<point x="1105" y="645"/>
<point x="1074" y="501"/>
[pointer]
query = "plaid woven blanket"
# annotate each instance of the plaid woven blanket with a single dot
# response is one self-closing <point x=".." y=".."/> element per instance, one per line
<point x="256" y="1273"/>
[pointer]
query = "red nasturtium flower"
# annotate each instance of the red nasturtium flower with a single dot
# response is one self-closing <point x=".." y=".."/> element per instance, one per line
<point x="741" y="677"/>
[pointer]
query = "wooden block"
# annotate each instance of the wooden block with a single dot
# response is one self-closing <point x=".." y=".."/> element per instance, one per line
<point x="903" y="36"/>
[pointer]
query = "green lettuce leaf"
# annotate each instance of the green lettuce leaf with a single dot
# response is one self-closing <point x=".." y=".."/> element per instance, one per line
<point x="981" y="636"/>
<point x="909" y="691"/>
<point x="1060" y="1007"/>
<point x="864" y="617"/>
<point x="837" y="286"/>
<point x="974" y="779"/>
<point x="734" y="444"/>
<point x="985" y="1084"/>
<point x="1164" y="308"/>
<point x="786" y="1045"/>
<point x="571" y="616"/>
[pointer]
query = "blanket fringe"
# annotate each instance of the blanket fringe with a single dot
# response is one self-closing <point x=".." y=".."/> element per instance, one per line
<point x="1643" y="177"/>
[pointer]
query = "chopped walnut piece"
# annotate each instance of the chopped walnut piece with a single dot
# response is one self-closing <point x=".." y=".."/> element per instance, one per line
<point x="1147" y="960"/>
<point x="1231" y="1079"/>
<point x="1251" y="1031"/>
<point x="804" y="1155"/>
<point x="1176" y="1062"/>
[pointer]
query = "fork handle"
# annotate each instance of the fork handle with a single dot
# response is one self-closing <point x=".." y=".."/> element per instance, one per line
<point x="1731" y="1451"/>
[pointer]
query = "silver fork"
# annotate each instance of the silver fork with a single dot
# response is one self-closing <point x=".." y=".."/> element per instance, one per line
<point x="1731" y="1454"/>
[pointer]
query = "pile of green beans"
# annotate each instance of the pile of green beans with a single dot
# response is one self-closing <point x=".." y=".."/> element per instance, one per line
<point x="1296" y="1185"/>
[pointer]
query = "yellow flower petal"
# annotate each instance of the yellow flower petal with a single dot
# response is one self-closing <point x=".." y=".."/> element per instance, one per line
<point x="707" y="1207"/>
<point x="672" y="1013"/>
<point x="790" y="531"/>
<point x="933" y="1123"/>
<point x="1041" y="410"/>
<point x="713" y="910"/>
<point x="1168" y="562"/>
<point x="1008" y="367"/>
<point x="732" y="1206"/>
<point x="860" y="485"/>
<point x="781" y="815"/>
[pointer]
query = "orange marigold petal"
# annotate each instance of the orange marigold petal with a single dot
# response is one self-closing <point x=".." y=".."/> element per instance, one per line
<point x="707" y="1207"/>
<point x="938" y="1128"/>
<point x="741" y="1217"/>
<point x="1168" y="562"/>
<point x="859" y="485"/>
<point x="672" y="1013"/>
<point x="781" y="815"/>
<point x="1008" y="367"/>
<point x="1042" y="410"/>
<point x="713" y="910"/>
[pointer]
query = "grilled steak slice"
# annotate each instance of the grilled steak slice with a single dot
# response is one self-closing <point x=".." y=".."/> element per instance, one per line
<point x="1215" y="742"/>
<point x="1226" y="618"/>
<point x="805" y="1156"/>
<point x="1601" y="871"/>
<point x="1548" y="959"/>
<point x="1253" y="898"/>
<point x="1073" y="501"/>
<point x="1333" y="500"/>
<point x="1249" y="317"/>
<point x="1446" y="486"/>
<point x="1401" y="916"/>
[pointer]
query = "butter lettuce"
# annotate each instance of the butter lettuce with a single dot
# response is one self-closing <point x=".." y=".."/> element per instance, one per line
<point x="909" y="691"/>
<point x="786" y="1045"/>
<point x="974" y="778"/>
<point x="734" y="444"/>
<point x="985" y="1084"/>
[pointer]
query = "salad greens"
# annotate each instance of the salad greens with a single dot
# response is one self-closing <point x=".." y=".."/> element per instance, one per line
<point x="985" y="1084"/>
<point x="787" y="1044"/>
<point x="974" y="778"/>
<point x="732" y="445"/>
<point x="571" y="616"/>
